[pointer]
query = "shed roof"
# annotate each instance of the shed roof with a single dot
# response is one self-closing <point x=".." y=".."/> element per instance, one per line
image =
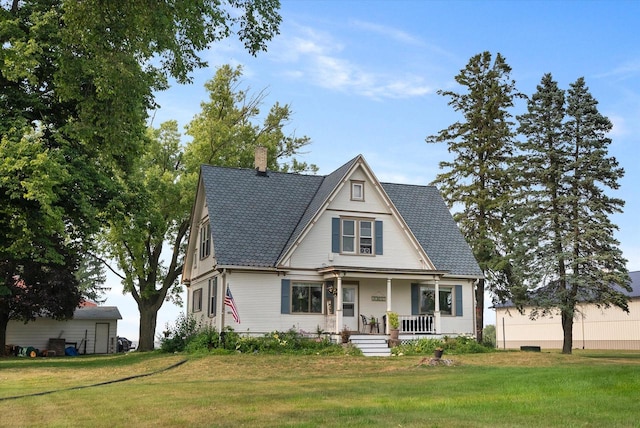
<point x="97" y="313"/>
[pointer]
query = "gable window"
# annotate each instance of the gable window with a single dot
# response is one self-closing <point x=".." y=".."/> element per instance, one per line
<point x="306" y="298"/>
<point x="357" y="236"/>
<point x="205" y="240"/>
<point x="357" y="190"/>
<point x="197" y="300"/>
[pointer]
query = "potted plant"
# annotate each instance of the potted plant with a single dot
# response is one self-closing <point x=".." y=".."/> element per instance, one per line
<point x="437" y="353"/>
<point x="394" y="324"/>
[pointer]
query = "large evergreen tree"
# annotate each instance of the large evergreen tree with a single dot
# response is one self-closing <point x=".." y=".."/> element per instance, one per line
<point x="476" y="180"/>
<point x="568" y="254"/>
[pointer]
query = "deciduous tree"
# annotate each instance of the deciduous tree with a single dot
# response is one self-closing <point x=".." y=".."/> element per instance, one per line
<point x="76" y="82"/>
<point x="152" y="216"/>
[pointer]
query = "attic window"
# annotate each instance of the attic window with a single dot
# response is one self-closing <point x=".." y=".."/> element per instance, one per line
<point x="357" y="190"/>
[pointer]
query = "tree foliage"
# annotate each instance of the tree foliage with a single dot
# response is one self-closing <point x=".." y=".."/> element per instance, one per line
<point x="476" y="180"/>
<point x="152" y="214"/>
<point x="568" y="254"/>
<point x="226" y="131"/>
<point x="76" y="82"/>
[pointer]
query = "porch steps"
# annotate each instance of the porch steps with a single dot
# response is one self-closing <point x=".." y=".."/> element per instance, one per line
<point x="371" y="345"/>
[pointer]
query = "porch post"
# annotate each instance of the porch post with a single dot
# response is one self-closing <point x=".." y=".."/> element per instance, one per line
<point x="388" y="305"/>
<point x="437" y="308"/>
<point x="339" y="304"/>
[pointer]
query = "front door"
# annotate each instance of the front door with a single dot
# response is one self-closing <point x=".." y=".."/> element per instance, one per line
<point x="350" y="306"/>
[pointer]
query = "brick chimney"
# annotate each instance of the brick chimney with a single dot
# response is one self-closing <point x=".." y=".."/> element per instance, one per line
<point x="261" y="160"/>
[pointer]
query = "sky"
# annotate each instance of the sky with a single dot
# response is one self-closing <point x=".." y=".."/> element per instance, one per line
<point x="362" y="78"/>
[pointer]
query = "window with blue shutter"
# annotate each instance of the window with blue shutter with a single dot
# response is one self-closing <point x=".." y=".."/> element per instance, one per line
<point x="378" y="232"/>
<point x="335" y="235"/>
<point x="458" y="293"/>
<point x="285" y="296"/>
<point x="356" y="236"/>
<point x="415" y="299"/>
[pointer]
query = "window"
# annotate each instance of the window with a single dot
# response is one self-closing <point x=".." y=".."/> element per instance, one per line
<point x="358" y="232"/>
<point x="205" y="240"/>
<point x="366" y="239"/>
<point x="428" y="301"/>
<point x="306" y="298"/>
<point x="197" y="300"/>
<point x="357" y="191"/>
<point x="213" y="294"/>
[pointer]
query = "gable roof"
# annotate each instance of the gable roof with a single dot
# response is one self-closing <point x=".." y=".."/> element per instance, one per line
<point x="256" y="218"/>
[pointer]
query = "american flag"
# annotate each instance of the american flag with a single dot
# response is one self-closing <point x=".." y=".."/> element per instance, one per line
<point x="228" y="301"/>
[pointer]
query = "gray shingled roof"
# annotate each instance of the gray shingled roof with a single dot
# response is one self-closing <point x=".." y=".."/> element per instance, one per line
<point x="428" y="217"/>
<point x="255" y="219"/>
<point x="253" y="216"/>
<point x="97" y="313"/>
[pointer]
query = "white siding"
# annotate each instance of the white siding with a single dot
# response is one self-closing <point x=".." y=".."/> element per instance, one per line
<point x="37" y="333"/>
<point x="399" y="251"/>
<point x="258" y="299"/>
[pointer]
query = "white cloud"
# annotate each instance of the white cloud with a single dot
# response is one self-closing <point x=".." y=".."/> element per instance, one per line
<point x="622" y="71"/>
<point x="320" y="59"/>
<point x="393" y="33"/>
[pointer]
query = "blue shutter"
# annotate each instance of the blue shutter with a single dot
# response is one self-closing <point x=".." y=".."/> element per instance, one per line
<point x="285" y="296"/>
<point x="335" y="235"/>
<point x="458" y="291"/>
<point x="415" y="299"/>
<point x="378" y="232"/>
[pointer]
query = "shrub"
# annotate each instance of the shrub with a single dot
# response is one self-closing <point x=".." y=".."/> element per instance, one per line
<point x="489" y="336"/>
<point x="451" y="345"/>
<point x="177" y="337"/>
<point x="208" y="340"/>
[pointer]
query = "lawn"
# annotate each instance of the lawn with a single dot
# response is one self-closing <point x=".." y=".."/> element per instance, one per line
<point x="587" y="389"/>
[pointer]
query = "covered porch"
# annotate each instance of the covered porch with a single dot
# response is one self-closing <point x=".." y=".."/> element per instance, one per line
<point x="361" y="298"/>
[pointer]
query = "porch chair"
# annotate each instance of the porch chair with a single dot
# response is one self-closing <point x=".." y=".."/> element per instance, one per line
<point x="365" y="323"/>
<point x="384" y="324"/>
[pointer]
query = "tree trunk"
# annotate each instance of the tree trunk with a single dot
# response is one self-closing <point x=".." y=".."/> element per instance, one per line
<point x="479" y="310"/>
<point x="567" y="329"/>
<point x="148" y="320"/>
<point x="4" y="322"/>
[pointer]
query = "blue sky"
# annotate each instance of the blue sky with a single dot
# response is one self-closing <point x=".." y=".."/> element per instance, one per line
<point x="361" y="77"/>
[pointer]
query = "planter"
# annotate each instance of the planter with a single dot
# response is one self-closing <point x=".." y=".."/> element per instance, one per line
<point x="438" y="353"/>
<point x="394" y="332"/>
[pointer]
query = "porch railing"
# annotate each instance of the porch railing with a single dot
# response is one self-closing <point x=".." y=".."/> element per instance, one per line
<point x="416" y="324"/>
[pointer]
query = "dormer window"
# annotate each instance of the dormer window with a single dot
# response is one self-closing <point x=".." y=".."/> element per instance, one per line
<point x="357" y="190"/>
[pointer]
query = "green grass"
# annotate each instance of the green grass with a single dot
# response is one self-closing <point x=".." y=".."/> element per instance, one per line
<point x="502" y="389"/>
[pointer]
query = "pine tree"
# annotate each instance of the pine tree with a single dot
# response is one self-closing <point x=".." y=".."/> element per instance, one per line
<point x="476" y="178"/>
<point x="568" y="254"/>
